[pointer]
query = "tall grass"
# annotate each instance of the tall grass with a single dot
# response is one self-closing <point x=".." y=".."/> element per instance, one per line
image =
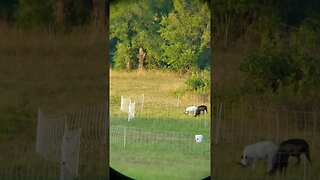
<point x="43" y="67"/>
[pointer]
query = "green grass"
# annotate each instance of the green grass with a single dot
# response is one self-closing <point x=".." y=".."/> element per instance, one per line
<point x="159" y="165"/>
<point x="160" y="139"/>
<point x="225" y="167"/>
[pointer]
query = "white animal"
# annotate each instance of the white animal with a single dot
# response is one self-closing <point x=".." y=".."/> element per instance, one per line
<point x="264" y="150"/>
<point x="191" y="109"/>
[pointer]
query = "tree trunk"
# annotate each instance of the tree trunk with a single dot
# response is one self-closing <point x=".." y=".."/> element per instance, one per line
<point x="141" y="56"/>
<point x="129" y="65"/>
<point x="59" y="11"/>
<point x="97" y="16"/>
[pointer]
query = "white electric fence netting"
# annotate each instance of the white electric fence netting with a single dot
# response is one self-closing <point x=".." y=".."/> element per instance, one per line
<point x="61" y="134"/>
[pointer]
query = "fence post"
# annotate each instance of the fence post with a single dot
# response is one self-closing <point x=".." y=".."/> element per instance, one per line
<point x="305" y="124"/>
<point x="296" y="117"/>
<point x="121" y="104"/>
<point x="250" y="119"/>
<point x="233" y="133"/>
<point x="304" y="167"/>
<point x="142" y="101"/>
<point x="286" y="124"/>
<point x="314" y="129"/>
<point x="278" y="124"/>
<point x="124" y="137"/>
<point x="260" y="121"/>
<point x="178" y="103"/>
<point x="218" y="122"/>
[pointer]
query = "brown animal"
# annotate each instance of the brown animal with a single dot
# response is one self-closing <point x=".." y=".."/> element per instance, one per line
<point x="295" y="147"/>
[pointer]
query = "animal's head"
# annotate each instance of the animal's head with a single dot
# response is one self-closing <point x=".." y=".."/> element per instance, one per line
<point x="245" y="159"/>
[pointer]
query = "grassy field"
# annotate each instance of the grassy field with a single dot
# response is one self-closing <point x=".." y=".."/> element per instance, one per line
<point x="39" y="67"/>
<point x="161" y="146"/>
<point x="242" y="125"/>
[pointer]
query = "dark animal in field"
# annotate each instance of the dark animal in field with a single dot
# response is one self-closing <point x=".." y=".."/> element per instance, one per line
<point x="200" y="108"/>
<point x="280" y="162"/>
<point x="295" y="147"/>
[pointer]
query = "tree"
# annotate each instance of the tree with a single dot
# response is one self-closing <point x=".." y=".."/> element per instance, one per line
<point x="136" y="23"/>
<point x="35" y="12"/>
<point x="7" y="10"/>
<point x="185" y="31"/>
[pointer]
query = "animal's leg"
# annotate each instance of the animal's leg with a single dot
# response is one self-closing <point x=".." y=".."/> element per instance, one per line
<point x="285" y="170"/>
<point x="308" y="156"/>
<point x="269" y="163"/>
<point x="254" y="163"/>
<point x="298" y="157"/>
<point x="307" y="153"/>
<point x="280" y="171"/>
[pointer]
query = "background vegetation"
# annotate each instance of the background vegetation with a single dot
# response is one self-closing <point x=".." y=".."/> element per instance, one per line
<point x="159" y="49"/>
<point x="267" y="52"/>
<point x="174" y="34"/>
<point x="159" y="117"/>
<point x="49" y="62"/>
<point x="265" y="66"/>
<point x="162" y="35"/>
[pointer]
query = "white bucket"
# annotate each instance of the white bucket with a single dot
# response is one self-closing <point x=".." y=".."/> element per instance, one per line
<point x="198" y="138"/>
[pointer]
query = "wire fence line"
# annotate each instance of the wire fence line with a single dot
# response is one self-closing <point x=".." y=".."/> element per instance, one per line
<point x="42" y="158"/>
<point x="240" y="125"/>
<point x="24" y="164"/>
<point x="51" y="123"/>
<point x="131" y="137"/>
<point x="249" y="124"/>
<point x="143" y="101"/>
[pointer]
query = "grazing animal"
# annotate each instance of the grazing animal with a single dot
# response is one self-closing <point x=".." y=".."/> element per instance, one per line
<point x="191" y="109"/>
<point x="295" y="147"/>
<point x="264" y="150"/>
<point x="200" y="108"/>
<point x="280" y="162"/>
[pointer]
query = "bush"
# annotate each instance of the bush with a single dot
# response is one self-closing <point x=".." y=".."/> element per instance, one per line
<point x="278" y="66"/>
<point x="199" y="81"/>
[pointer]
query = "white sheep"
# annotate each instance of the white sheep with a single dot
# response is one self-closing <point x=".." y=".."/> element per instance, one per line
<point x="191" y="109"/>
<point x="264" y="150"/>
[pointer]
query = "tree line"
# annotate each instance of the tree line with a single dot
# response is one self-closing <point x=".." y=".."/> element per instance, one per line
<point x="32" y="13"/>
<point x="284" y="41"/>
<point x="160" y="34"/>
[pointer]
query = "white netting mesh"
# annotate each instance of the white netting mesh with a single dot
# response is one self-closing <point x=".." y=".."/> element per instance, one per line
<point x="49" y="134"/>
<point x="70" y="148"/>
<point x="131" y="110"/>
<point x="125" y="104"/>
<point x="51" y="125"/>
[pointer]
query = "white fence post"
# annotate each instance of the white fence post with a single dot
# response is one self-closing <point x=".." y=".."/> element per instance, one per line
<point x="178" y="103"/>
<point x="142" y="101"/>
<point x="124" y="137"/>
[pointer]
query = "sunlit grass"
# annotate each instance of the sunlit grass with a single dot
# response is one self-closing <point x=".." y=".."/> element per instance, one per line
<point x="161" y="112"/>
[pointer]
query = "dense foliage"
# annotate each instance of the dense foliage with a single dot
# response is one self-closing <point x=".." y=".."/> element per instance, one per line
<point x="174" y="34"/>
<point x="281" y="40"/>
<point x="31" y="13"/>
